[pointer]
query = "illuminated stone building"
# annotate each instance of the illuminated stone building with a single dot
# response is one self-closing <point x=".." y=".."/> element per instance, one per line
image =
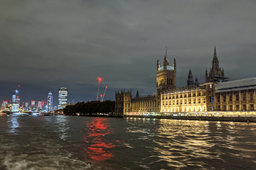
<point x="196" y="99"/>
<point x="165" y="80"/>
<point x="238" y="95"/>
<point x="215" y="96"/>
<point x="123" y="103"/>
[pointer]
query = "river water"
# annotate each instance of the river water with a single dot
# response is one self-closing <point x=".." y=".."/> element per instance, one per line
<point x="62" y="142"/>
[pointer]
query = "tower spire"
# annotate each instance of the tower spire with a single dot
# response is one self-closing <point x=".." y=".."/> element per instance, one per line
<point x="165" y="51"/>
<point x="215" y="53"/>
<point x="190" y="81"/>
<point x="157" y="65"/>
<point x="174" y="63"/>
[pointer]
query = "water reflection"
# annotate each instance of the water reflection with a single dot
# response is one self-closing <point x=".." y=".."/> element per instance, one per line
<point x="96" y="137"/>
<point x="14" y="123"/>
<point x="63" y="127"/>
<point x="184" y="137"/>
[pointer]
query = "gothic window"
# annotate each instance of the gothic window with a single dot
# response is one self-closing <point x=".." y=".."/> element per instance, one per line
<point x="252" y="107"/>
<point x="251" y="96"/>
<point x="224" y="107"/>
<point x="244" y="95"/>
<point x="244" y="107"/>
<point x="237" y="97"/>
<point x="237" y="107"/>
<point x="218" y="98"/>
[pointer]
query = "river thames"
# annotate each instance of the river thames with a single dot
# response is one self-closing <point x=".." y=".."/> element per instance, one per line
<point x="62" y="142"/>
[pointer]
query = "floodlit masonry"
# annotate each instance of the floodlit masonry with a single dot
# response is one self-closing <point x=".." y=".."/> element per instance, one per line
<point x="215" y="97"/>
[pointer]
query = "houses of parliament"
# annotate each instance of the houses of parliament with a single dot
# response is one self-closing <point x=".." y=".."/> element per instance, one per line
<point x="216" y="94"/>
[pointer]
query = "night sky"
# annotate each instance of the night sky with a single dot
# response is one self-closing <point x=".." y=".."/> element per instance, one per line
<point x="46" y="44"/>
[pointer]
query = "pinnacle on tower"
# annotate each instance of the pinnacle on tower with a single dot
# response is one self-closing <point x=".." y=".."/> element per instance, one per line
<point x="206" y="75"/>
<point x="215" y="58"/>
<point x="196" y="82"/>
<point x="157" y="64"/>
<point x="215" y="53"/>
<point x="174" y="63"/>
<point x="137" y="94"/>
<point x="190" y="81"/>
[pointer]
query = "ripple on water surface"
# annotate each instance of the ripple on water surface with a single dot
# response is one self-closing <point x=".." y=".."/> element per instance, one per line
<point x="59" y="142"/>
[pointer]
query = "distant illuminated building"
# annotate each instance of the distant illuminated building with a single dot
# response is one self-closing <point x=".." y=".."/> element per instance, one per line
<point x="40" y="105"/>
<point x="33" y="103"/>
<point x="26" y="106"/>
<point x="49" y="102"/>
<point x="4" y="105"/>
<point x="15" y="101"/>
<point x="63" y="97"/>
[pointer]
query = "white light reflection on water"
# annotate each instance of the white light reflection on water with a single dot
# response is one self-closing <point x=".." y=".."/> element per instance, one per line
<point x="62" y="126"/>
<point x="14" y="123"/>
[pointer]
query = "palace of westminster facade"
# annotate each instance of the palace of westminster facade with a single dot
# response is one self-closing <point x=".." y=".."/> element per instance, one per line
<point x="216" y="94"/>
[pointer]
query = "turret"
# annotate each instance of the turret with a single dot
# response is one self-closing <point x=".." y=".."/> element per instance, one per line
<point x="165" y="75"/>
<point x="196" y="82"/>
<point x="190" y="81"/>
<point x="206" y="75"/>
<point x="174" y="63"/>
<point x="137" y="94"/>
<point x="157" y="65"/>
<point x="165" y="63"/>
<point x="216" y="74"/>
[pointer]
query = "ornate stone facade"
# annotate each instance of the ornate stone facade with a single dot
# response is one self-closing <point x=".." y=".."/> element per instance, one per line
<point x="195" y="99"/>
<point x="238" y="95"/>
<point x="216" y="73"/>
<point x="165" y="80"/>
<point x="213" y="96"/>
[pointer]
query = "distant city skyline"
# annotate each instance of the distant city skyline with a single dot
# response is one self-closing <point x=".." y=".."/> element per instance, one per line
<point x="70" y="44"/>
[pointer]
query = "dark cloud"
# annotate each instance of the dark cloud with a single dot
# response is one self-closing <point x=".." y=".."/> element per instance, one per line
<point x="46" y="44"/>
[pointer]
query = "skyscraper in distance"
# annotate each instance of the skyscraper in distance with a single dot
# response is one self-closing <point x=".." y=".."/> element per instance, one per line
<point x="63" y="97"/>
<point x="15" y="101"/>
<point x="50" y="102"/>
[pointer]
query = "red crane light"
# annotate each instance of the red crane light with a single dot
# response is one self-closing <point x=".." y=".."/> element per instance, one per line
<point x="99" y="79"/>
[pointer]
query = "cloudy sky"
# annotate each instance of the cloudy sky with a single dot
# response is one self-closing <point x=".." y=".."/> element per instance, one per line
<point x="46" y="44"/>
